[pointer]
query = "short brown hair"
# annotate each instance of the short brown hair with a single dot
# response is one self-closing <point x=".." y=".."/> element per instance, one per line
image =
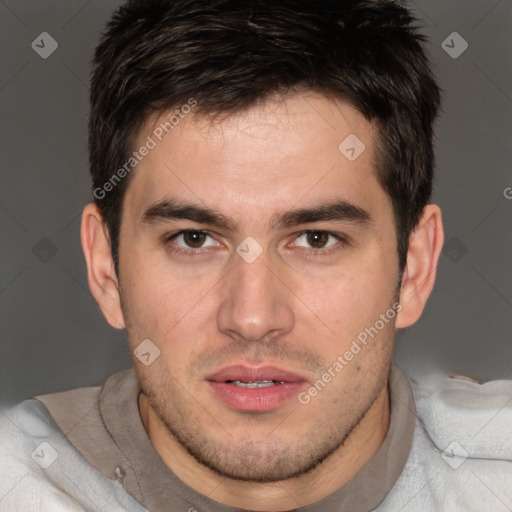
<point x="230" y="55"/>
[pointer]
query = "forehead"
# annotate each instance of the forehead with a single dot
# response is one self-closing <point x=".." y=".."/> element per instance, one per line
<point x="299" y="150"/>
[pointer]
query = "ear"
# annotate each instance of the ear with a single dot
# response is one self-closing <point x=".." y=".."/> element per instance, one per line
<point x="101" y="275"/>
<point x="425" y="245"/>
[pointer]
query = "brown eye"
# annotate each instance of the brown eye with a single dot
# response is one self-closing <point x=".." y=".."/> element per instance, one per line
<point x="317" y="239"/>
<point x="191" y="242"/>
<point x="194" y="239"/>
<point x="320" y="241"/>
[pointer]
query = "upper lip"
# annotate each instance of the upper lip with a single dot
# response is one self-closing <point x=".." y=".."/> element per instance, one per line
<point x="248" y="374"/>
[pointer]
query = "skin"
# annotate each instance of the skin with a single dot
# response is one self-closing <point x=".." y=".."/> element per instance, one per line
<point x="297" y="306"/>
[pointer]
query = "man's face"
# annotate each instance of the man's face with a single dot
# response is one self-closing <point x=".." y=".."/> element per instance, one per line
<point x="281" y="308"/>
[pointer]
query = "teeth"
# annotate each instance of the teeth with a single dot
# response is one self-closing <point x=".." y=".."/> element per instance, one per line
<point x="255" y="383"/>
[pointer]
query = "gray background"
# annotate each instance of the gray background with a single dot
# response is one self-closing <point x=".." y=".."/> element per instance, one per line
<point x="53" y="335"/>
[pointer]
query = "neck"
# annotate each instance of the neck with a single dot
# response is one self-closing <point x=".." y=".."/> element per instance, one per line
<point x="333" y="473"/>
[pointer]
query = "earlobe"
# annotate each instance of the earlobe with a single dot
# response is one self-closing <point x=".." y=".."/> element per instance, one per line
<point x="425" y="246"/>
<point x="101" y="275"/>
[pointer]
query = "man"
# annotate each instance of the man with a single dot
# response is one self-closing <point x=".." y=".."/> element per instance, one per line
<point x="261" y="227"/>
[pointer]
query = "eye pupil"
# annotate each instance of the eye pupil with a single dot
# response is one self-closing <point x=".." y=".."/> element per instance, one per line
<point x="317" y="239"/>
<point x="194" y="239"/>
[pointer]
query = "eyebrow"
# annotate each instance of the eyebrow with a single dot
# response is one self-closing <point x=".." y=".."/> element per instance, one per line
<point x="169" y="209"/>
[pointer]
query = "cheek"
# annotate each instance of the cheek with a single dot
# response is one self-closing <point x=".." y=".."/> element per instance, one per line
<point x="354" y="298"/>
<point x="167" y="303"/>
<point x="149" y="298"/>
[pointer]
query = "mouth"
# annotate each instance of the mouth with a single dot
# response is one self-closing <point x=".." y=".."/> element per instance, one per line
<point x="255" y="390"/>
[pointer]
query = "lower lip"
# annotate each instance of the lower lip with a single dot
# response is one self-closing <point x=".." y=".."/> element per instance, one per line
<point x="256" y="399"/>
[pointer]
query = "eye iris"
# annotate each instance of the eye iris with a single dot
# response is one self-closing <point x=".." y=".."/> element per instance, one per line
<point x="194" y="239"/>
<point x="317" y="239"/>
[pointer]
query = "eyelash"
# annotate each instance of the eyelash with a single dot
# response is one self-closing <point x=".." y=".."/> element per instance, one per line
<point x="313" y="252"/>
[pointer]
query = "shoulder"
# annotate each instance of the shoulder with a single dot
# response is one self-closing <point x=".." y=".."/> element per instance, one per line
<point x="41" y="470"/>
<point x="26" y="450"/>
<point x="461" y="456"/>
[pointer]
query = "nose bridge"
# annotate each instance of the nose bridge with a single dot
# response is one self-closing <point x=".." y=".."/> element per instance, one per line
<point x="255" y="303"/>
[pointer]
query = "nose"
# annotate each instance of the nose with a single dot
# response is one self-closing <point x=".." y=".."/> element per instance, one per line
<point x="256" y="305"/>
